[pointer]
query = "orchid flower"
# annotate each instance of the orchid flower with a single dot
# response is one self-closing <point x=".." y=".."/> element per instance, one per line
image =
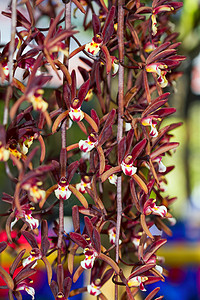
<point x="62" y="191"/>
<point x="35" y="193"/>
<point x="138" y="281"/>
<point x="90" y="256"/>
<point x="26" y="214"/>
<point x="94" y="46"/>
<point x="75" y="112"/>
<point x="150" y="207"/>
<point x="85" y="182"/>
<point x="35" y="254"/>
<point x="93" y="289"/>
<point x="37" y="101"/>
<point x="24" y="286"/>
<point x="161" y="167"/>
<point x="112" y="236"/>
<point x="127" y="166"/>
<point x="150" y="121"/>
<point x="161" y="70"/>
<point x="89" y="144"/>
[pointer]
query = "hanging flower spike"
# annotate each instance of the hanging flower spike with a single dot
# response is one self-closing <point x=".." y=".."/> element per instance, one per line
<point x="62" y="192"/>
<point x="89" y="144"/>
<point x="112" y="236"/>
<point x="94" y="289"/>
<point x="95" y="46"/>
<point x="35" y="193"/>
<point x="25" y="144"/>
<point x="127" y="166"/>
<point x="75" y="112"/>
<point x="160" y="70"/>
<point x="27" y="215"/>
<point x="23" y="286"/>
<point x="37" y="101"/>
<point x="150" y="121"/>
<point x="161" y="167"/>
<point x="85" y="182"/>
<point x="35" y="254"/>
<point x="90" y="256"/>
<point x="137" y="281"/>
<point x="4" y="153"/>
<point x="150" y="207"/>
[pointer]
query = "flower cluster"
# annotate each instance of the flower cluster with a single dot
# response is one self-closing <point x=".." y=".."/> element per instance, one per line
<point x="100" y="139"/>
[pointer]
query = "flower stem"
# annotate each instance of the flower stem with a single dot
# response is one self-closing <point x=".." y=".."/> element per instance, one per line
<point x="120" y="122"/>
<point x="10" y="62"/>
<point x="63" y="156"/>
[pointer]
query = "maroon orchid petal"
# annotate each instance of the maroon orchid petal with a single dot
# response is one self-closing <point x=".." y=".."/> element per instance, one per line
<point x="138" y="148"/>
<point x="89" y="227"/>
<point x="108" y="122"/>
<point x="154" y="105"/>
<point x="106" y="134"/>
<point x="71" y="170"/>
<point x="73" y="86"/>
<point x="16" y="262"/>
<point x="162" y="47"/>
<point x="45" y="245"/>
<point x="3" y="246"/>
<point x="152" y="294"/>
<point x="129" y="140"/>
<point x="164" y="112"/>
<point x="67" y="286"/>
<point x="153" y="248"/>
<point x="95" y="117"/>
<point x="96" y="24"/>
<point x="109" y="20"/>
<point x="121" y="150"/>
<point x="83" y="91"/>
<point x="106" y="276"/>
<point x="75" y="218"/>
<point x="96" y="240"/>
<point x="141" y="270"/>
<point x="78" y="239"/>
<point x="54" y="288"/>
<point x="21" y="20"/>
<point x="30" y="239"/>
<point x="152" y="279"/>
<point x="163" y="148"/>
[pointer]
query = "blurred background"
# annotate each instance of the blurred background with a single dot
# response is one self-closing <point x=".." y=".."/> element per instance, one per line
<point x="182" y="252"/>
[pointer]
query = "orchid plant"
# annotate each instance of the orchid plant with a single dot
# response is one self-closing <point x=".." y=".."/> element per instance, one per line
<point x="128" y="70"/>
